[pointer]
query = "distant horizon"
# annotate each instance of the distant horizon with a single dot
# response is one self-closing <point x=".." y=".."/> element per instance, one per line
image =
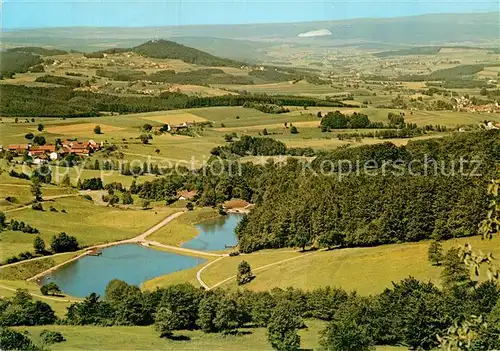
<point x="188" y="13"/>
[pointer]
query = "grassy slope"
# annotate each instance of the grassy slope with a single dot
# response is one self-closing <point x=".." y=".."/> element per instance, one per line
<point x="89" y="223"/>
<point x="373" y="268"/>
<point x="145" y="338"/>
<point x="182" y="229"/>
<point x="59" y="306"/>
<point x="25" y="270"/>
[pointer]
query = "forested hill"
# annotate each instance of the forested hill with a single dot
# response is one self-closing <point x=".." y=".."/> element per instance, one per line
<point x="165" y="49"/>
<point x="38" y="50"/>
<point x="297" y="209"/>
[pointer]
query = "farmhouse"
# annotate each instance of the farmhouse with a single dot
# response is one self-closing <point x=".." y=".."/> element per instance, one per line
<point x="19" y="148"/>
<point x="186" y="195"/>
<point x="80" y="148"/>
<point x="41" y="150"/>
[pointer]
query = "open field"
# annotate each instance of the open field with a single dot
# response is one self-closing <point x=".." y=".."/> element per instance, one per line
<point x="89" y="223"/>
<point x="145" y="338"/>
<point x="81" y="129"/>
<point x="374" y="268"/>
<point x="28" y="269"/>
<point x="182" y="229"/>
<point x="172" y="117"/>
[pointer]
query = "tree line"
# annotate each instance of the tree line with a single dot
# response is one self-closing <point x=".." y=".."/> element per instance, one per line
<point x="22" y="101"/>
<point x="410" y="312"/>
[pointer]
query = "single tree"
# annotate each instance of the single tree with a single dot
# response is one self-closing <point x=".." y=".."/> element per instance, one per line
<point x="319" y="114"/>
<point x="36" y="189"/>
<point x="294" y="130"/>
<point x="29" y="136"/>
<point x="50" y="289"/>
<point x="226" y="317"/>
<point x="62" y="242"/>
<point x="39" y="245"/>
<point x="144" y="138"/>
<point x="40" y="127"/>
<point x="435" y="253"/>
<point x="145" y="204"/>
<point x="346" y="335"/>
<point x="147" y="127"/>
<point x="2" y="220"/>
<point x="166" y="321"/>
<point x="244" y="274"/>
<point x="39" y="140"/>
<point x="189" y="206"/>
<point x="265" y="132"/>
<point x="283" y="325"/>
<point x="97" y="130"/>
<point x="455" y="271"/>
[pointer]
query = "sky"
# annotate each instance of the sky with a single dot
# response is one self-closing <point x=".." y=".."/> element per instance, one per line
<point x="16" y="14"/>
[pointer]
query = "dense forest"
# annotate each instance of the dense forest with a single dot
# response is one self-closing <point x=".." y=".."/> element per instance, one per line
<point x="23" y="101"/>
<point x="196" y="77"/>
<point x="12" y="62"/>
<point x="356" y="196"/>
<point x="38" y="51"/>
<point x="165" y="49"/>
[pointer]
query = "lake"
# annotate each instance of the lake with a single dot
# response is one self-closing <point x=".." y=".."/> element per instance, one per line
<point x="215" y="234"/>
<point x="135" y="264"/>
<point x="131" y="263"/>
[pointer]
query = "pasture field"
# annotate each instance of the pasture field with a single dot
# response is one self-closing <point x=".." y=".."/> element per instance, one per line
<point x="145" y="338"/>
<point x="182" y="228"/>
<point x="374" y="268"/>
<point x="89" y="223"/>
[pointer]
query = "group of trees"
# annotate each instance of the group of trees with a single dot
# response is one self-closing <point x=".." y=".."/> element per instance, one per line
<point x="68" y="82"/>
<point x="410" y="313"/>
<point x="267" y="108"/>
<point x="258" y="146"/>
<point x="396" y="126"/>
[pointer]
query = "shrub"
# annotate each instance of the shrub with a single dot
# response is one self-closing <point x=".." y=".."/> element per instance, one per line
<point x="64" y="243"/>
<point x="51" y="337"/>
<point x="37" y="206"/>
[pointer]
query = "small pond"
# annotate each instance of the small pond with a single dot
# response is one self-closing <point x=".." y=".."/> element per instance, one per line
<point x="215" y="234"/>
<point x="129" y="262"/>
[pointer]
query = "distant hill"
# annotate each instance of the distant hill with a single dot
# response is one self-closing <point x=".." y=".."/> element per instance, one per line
<point x="165" y="49"/>
<point x="425" y="50"/>
<point x="38" y="50"/>
<point x="431" y="29"/>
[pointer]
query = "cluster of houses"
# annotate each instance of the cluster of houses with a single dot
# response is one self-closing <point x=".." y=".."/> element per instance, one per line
<point x="44" y="153"/>
<point x="464" y="104"/>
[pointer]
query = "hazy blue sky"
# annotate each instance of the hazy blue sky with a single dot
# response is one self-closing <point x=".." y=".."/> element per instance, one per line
<point x="63" y="13"/>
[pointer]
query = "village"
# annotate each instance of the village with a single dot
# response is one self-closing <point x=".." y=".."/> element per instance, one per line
<point x="41" y="154"/>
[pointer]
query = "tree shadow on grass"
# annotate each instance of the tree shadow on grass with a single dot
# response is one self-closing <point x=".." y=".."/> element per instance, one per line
<point x="179" y="338"/>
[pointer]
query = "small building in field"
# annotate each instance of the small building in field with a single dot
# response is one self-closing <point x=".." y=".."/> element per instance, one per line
<point x="186" y="195"/>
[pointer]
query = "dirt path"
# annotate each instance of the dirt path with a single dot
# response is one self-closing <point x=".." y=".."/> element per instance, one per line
<point x="198" y="274"/>
<point x="254" y="270"/>
<point x="45" y="198"/>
